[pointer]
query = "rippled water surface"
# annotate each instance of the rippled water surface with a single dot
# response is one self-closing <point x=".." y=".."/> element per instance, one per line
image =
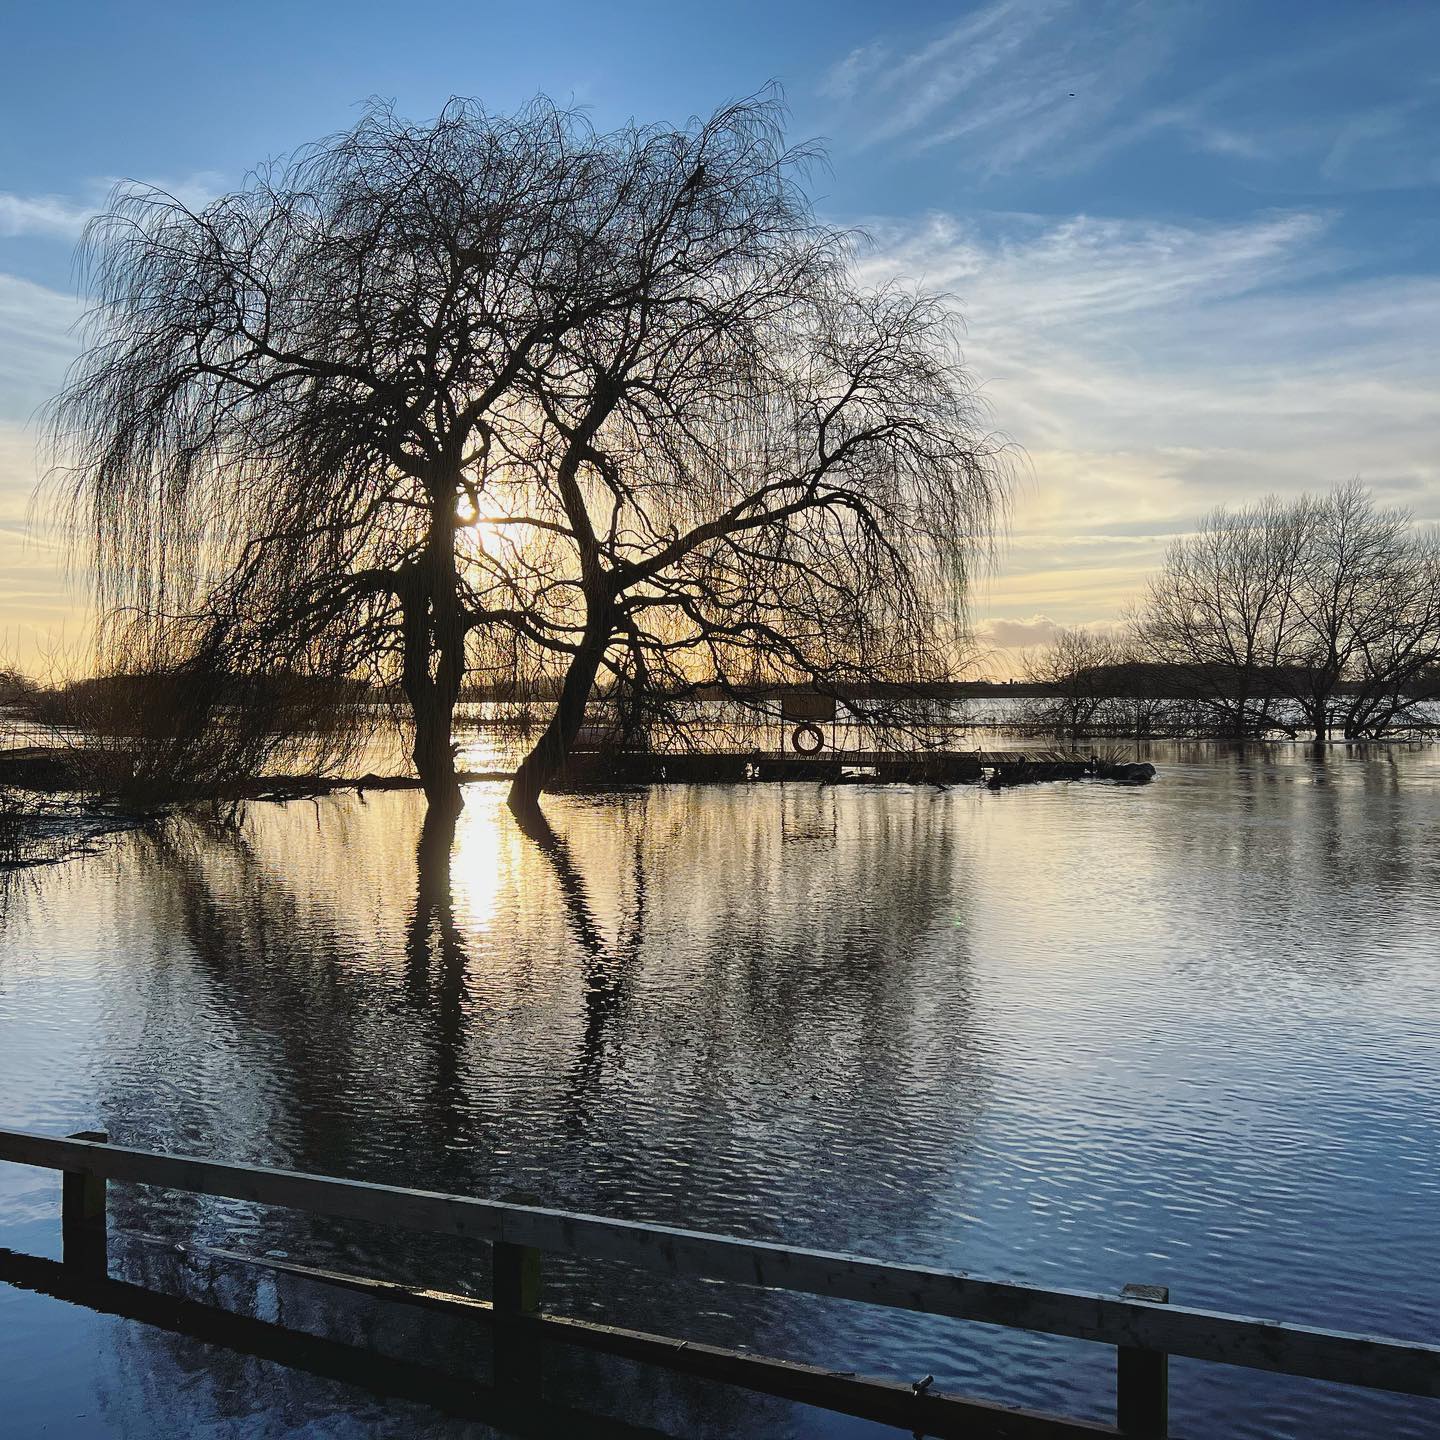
<point x="1074" y="1034"/>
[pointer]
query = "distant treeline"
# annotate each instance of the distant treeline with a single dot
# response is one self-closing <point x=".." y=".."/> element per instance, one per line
<point x="150" y="736"/>
<point x="1122" y="679"/>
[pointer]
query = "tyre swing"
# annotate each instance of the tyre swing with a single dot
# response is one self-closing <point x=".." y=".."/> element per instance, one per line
<point x="807" y="739"/>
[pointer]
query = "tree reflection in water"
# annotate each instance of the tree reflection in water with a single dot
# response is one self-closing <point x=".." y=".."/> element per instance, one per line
<point x="1072" y="1033"/>
<point x="696" y="1007"/>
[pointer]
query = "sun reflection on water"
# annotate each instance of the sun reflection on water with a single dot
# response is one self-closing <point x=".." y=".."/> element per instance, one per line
<point x="483" y="861"/>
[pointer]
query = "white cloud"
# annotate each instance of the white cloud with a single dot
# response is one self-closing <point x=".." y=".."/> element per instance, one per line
<point x="64" y="217"/>
<point x="41" y="215"/>
<point x="1019" y="634"/>
<point x="1152" y="370"/>
<point x="35" y="344"/>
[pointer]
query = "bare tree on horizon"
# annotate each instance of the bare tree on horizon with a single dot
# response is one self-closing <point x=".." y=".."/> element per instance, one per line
<point x="1076" y="676"/>
<point x="1322" y="610"/>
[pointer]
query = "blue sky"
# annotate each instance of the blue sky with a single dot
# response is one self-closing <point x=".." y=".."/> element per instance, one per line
<point x="1195" y="244"/>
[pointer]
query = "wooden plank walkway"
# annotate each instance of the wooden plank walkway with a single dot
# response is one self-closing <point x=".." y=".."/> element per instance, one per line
<point x="1137" y="1321"/>
<point x="594" y="769"/>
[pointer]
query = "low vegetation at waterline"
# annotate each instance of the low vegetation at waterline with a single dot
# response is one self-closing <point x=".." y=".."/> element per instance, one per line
<point x="154" y="733"/>
<point x="501" y="396"/>
<point x="52" y="803"/>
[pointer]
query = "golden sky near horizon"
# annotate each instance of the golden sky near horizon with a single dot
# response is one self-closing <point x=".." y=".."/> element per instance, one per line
<point x="1195" y="257"/>
<point x="1146" y="372"/>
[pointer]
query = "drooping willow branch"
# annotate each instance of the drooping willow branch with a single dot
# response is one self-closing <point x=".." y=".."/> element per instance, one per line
<point x="708" y="450"/>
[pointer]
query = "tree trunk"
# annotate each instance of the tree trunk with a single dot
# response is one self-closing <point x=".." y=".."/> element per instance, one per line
<point x="1241" y="726"/>
<point x="434" y="750"/>
<point x="434" y="659"/>
<point x="546" y="761"/>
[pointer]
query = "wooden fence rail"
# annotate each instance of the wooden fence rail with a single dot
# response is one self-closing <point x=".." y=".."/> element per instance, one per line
<point x="1138" y="1321"/>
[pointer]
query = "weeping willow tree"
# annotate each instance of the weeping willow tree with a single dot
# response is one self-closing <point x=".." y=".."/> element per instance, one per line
<point x="424" y="395"/>
<point x="806" y="508"/>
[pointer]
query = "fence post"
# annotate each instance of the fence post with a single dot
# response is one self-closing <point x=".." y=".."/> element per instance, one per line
<point x="1142" y="1380"/>
<point x="82" y="1215"/>
<point x="516" y="1294"/>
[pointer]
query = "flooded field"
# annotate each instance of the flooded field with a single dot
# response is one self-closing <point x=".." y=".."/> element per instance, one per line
<point x="1076" y="1034"/>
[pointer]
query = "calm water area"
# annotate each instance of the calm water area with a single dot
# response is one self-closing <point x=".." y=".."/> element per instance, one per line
<point x="1075" y="1034"/>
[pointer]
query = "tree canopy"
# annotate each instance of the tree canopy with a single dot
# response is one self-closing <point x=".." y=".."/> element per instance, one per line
<point x="426" y="398"/>
<point x="1322" y="609"/>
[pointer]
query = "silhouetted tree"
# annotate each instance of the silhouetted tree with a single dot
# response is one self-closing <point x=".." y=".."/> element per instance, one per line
<point x="1221" y="610"/>
<point x="1313" y="613"/>
<point x="298" y="404"/>
<point x="779" y="481"/>
<point x="1368" y="613"/>
<point x="1078" y="671"/>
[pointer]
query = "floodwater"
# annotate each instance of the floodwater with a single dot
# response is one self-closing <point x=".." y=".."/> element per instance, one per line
<point x="1073" y="1034"/>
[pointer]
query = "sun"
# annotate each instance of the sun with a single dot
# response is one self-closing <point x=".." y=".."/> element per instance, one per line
<point x="484" y="537"/>
<point x="487" y="536"/>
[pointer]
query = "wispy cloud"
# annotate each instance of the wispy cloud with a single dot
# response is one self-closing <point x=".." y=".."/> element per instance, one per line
<point x="1152" y="370"/>
<point x="1388" y="147"/>
<point x="35" y="344"/>
<point x="64" y="217"/>
<point x="1053" y="87"/>
<point x="844" y="80"/>
<point x="1008" y="83"/>
<point x="960" y="67"/>
<point x="50" y="215"/>
<point x="41" y="607"/>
